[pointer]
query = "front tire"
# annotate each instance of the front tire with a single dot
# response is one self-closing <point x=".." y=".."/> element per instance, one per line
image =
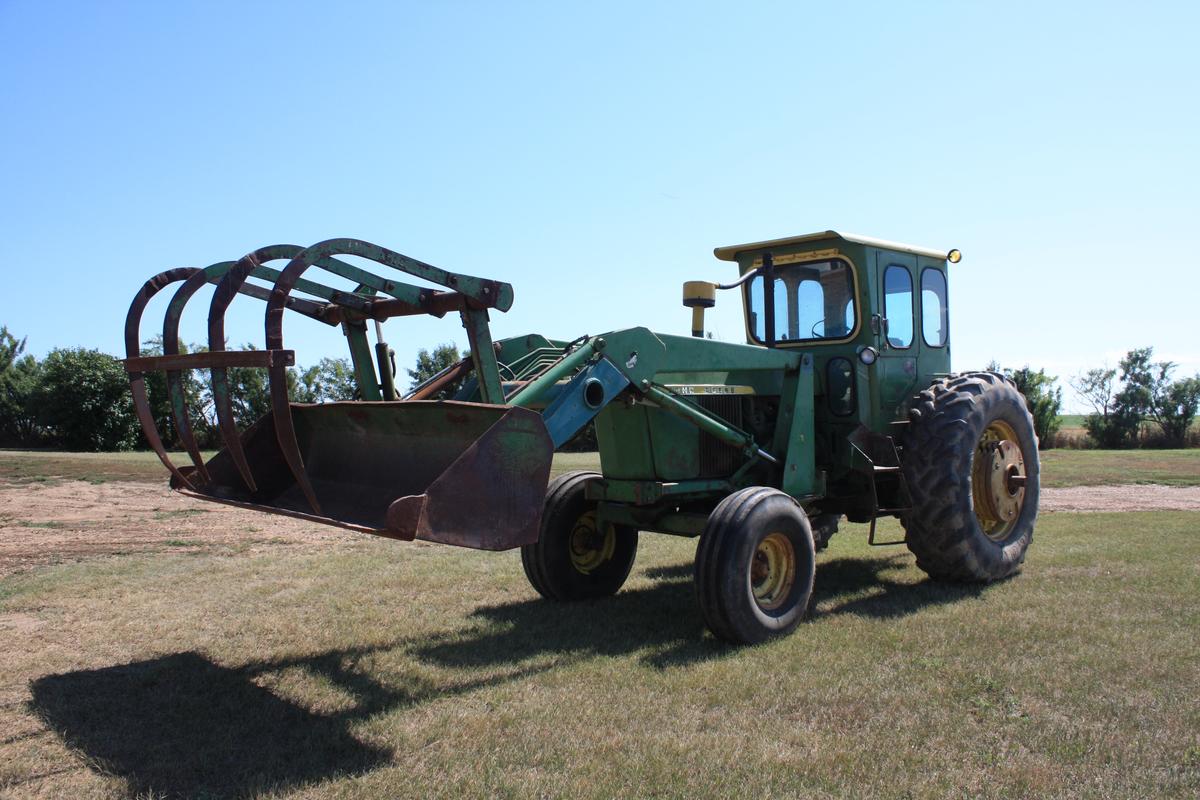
<point x="755" y="566"/>
<point x="576" y="557"/>
<point x="972" y="470"/>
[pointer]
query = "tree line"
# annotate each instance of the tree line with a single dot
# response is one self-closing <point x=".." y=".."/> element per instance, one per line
<point x="1139" y="403"/>
<point x="78" y="398"/>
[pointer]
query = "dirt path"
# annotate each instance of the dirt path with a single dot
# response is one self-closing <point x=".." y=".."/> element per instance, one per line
<point x="1142" y="497"/>
<point x="75" y="520"/>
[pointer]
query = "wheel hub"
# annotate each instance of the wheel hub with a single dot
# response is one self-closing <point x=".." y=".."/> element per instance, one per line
<point x="998" y="480"/>
<point x="591" y="544"/>
<point x="772" y="571"/>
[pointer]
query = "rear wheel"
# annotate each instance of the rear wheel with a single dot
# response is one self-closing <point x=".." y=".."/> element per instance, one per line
<point x="755" y="565"/>
<point x="971" y="466"/>
<point x="576" y="556"/>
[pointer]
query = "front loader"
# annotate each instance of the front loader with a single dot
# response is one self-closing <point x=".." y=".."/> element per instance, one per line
<point x="840" y="403"/>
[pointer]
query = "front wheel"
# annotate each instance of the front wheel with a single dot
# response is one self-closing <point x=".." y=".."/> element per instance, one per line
<point x="576" y="556"/>
<point x="755" y="566"/>
<point x="971" y="466"/>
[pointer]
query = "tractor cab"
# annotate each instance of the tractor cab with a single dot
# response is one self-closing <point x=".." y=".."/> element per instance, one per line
<point x="872" y="313"/>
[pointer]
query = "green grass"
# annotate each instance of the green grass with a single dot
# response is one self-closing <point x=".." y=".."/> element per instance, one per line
<point x="1059" y="467"/>
<point x="403" y="670"/>
<point x="41" y="466"/>
<point x="1072" y="421"/>
<point x="1107" y="467"/>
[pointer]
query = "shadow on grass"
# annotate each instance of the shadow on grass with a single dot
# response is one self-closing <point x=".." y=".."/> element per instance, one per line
<point x="661" y="622"/>
<point x="182" y="725"/>
<point x="842" y="581"/>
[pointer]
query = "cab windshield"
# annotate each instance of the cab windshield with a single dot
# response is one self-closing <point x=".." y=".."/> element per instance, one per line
<point x="813" y="300"/>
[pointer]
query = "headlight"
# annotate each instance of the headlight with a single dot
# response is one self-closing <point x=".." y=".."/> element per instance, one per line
<point x="867" y="355"/>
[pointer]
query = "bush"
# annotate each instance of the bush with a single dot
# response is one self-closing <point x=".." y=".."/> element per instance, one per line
<point x="1043" y="399"/>
<point x="83" y="401"/>
<point x="1143" y="394"/>
<point x="1109" y="425"/>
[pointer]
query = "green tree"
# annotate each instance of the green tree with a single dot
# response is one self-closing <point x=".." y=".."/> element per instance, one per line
<point x="431" y="363"/>
<point x="19" y="376"/>
<point x="1139" y="390"/>
<point x="1178" y="406"/>
<point x="83" y="402"/>
<point x="1099" y="388"/>
<point x="1043" y="399"/>
<point x="328" y="380"/>
<point x="249" y="392"/>
<point x="160" y="401"/>
<point x="10" y="349"/>
<point x="1150" y="394"/>
<point x="18" y="409"/>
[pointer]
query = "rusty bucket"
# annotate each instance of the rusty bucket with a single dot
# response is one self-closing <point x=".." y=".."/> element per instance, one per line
<point x="468" y="474"/>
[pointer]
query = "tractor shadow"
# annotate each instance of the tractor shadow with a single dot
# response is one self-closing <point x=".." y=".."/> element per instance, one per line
<point x="663" y="624"/>
<point x="842" y="583"/>
<point x="184" y="726"/>
<point x="660" y="623"/>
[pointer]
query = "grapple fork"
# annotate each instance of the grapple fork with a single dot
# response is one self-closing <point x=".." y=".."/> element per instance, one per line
<point x="466" y="473"/>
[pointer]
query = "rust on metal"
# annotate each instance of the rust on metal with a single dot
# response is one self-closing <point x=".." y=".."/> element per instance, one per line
<point x="137" y="384"/>
<point x="395" y="468"/>
<point x="223" y="358"/>
<point x="443" y="379"/>
<point x="230" y="285"/>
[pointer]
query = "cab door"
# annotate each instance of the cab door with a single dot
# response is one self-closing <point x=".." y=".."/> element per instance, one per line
<point x="899" y="341"/>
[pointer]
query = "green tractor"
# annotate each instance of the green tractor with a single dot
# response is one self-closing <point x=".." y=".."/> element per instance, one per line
<point x="840" y="404"/>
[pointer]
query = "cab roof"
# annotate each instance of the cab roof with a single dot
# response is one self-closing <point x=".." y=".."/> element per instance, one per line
<point x="730" y="253"/>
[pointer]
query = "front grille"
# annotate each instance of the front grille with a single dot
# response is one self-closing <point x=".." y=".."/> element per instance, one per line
<point x="717" y="459"/>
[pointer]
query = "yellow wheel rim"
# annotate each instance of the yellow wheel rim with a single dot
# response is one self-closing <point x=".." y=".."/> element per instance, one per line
<point x="589" y="545"/>
<point x="998" y="480"/>
<point x="772" y="571"/>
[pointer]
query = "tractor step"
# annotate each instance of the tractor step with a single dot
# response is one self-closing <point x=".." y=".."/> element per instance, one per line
<point x="881" y="463"/>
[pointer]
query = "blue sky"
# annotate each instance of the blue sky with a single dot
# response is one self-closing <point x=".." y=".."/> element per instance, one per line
<point x="593" y="155"/>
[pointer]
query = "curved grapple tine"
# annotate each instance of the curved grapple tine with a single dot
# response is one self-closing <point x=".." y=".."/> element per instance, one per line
<point x="285" y="429"/>
<point x="170" y="345"/>
<point x="137" y="384"/>
<point x="229" y="286"/>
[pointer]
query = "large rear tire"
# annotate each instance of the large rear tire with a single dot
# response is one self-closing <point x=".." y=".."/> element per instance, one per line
<point x="971" y="466"/>
<point x="755" y="565"/>
<point x="576" y="557"/>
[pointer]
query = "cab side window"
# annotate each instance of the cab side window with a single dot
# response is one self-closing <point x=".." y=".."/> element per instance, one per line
<point x="898" y="306"/>
<point x="935" y="321"/>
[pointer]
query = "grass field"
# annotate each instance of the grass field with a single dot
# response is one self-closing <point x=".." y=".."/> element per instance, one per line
<point x="384" y="669"/>
<point x="1059" y="467"/>
<point x="1062" y="468"/>
<point x="354" y="667"/>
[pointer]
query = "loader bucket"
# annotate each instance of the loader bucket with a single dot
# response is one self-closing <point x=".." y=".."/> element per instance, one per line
<point x="468" y="474"/>
<point x="472" y="474"/>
